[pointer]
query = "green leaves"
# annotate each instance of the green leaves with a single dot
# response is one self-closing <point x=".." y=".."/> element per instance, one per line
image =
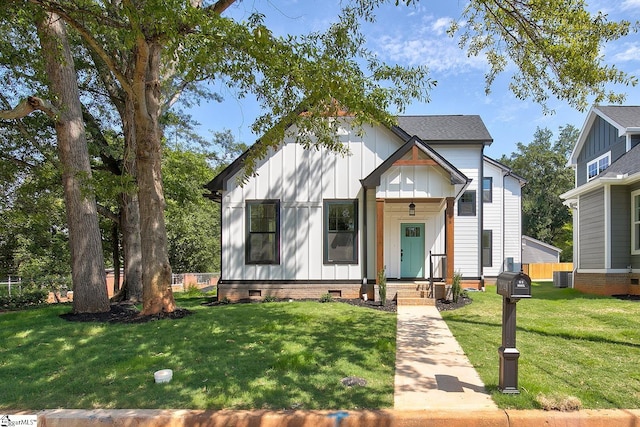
<point x="556" y="46"/>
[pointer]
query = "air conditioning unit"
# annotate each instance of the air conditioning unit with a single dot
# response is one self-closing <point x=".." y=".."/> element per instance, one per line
<point x="562" y="279"/>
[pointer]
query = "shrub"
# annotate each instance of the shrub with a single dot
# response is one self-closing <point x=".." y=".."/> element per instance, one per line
<point x="326" y="298"/>
<point x="192" y="291"/>
<point x="26" y="298"/>
<point x="269" y="298"/>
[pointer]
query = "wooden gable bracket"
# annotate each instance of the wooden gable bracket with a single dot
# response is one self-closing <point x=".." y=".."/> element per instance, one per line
<point x="415" y="160"/>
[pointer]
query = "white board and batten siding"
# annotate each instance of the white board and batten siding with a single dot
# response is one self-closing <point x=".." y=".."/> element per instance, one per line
<point x="468" y="160"/>
<point x="493" y="216"/>
<point x="301" y="180"/>
<point x="503" y="217"/>
<point x="413" y="182"/>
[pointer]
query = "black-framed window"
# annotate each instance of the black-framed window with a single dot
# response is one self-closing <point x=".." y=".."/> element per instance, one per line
<point x="263" y="232"/>
<point x="340" y="231"/>
<point x="487" y="248"/>
<point x="467" y="204"/>
<point x="487" y="189"/>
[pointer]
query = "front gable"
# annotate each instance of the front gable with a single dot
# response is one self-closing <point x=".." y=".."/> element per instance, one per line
<point x="415" y="171"/>
<point x="606" y="136"/>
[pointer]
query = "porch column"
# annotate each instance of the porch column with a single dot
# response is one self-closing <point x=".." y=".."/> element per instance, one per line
<point x="379" y="235"/>
<point x="449" y="239"/>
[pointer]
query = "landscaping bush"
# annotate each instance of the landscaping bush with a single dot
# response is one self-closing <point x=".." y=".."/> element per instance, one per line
<point x="26" y="298"/>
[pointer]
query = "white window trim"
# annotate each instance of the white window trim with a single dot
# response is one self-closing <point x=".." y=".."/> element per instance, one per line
<point x="634" y="223"/>
<point x="596" y="161"/>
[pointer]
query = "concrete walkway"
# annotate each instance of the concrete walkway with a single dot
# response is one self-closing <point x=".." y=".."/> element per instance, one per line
<point x="432" y="371"/>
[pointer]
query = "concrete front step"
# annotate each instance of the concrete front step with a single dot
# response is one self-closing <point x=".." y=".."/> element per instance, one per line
<point x="416" y="301"/>
<point x="413" y="297"/>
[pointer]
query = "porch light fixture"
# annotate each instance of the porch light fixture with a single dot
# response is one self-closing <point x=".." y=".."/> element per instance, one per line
<point x="412" y="209"/>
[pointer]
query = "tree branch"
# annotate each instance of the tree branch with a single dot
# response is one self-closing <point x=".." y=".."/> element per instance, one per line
<point x="27" y="106"/>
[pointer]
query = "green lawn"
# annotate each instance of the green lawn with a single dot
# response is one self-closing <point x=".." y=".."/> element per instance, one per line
<point x="243" y="356"/>
<point x="571" y="344"/>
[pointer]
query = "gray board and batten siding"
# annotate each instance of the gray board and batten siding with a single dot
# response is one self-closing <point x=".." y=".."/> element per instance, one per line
<point x="620" y="226"/>
<point x="592" y="229"/>
<point x="602" y="137"/>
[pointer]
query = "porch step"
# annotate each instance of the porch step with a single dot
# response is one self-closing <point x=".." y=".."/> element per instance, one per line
<point x="416" y="301"/>
<point x="421" y="296"/>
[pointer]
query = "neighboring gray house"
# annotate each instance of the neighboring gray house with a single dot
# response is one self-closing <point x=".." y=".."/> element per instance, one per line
<point x="606" y="201"/>
<point x="535" y="251"/>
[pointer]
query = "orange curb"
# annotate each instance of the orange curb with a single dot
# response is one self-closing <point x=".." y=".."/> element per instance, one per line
<point x="584" y="418"/>
<point x="382" y="418"/>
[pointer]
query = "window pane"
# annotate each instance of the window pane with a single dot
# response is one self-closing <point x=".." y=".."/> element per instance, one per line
<point x="341" y="217"/>
<point x="263" y="233"/>
<point x="263" y="217"/>
<point x="603" y="164"/>
<point x="412" y="232"/>
<point x="340" y="234"/>
<point x="487" y="248"/>
<point x="487" y="184"/>
<point x="262" y="247"/>
<point x="341" y="247"/>
<point x="467" y="204"/>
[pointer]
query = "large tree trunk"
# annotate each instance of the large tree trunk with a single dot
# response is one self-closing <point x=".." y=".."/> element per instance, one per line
<point x="88" y="274"/>
<point x="156" y="270"/>
<point x="130" y="211"/>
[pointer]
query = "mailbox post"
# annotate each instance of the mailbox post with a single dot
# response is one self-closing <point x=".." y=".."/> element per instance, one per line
<point x="513" y="287"/>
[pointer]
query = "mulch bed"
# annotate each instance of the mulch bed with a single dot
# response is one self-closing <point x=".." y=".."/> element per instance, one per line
<point x="127" y="313"/>
<point x="627" y="297"/>
<point x="123" y="313"/>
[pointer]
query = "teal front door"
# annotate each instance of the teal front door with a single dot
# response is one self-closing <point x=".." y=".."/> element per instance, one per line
<point x="412" y="250"/>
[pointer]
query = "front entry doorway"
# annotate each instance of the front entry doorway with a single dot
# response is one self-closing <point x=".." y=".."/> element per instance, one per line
<point x="412" y="250"/>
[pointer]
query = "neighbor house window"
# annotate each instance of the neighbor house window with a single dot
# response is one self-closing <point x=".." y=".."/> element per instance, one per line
<point x="487" y="248"/>
<point x="263" y="232"/>
<point x="487" y="189"/>
<point x="340" y="231"/>
<point x="635" y="222"/>
<point x="598" y="165"/>
<point x="467" y="204"/>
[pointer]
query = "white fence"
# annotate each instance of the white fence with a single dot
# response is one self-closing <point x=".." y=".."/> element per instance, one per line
<point x="11" y="284"/>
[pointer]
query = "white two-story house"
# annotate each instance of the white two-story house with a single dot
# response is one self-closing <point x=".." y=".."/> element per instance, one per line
<point x="419" y="201"/>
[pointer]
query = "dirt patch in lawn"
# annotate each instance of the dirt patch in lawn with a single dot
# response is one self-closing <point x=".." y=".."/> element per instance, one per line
<point x="123" y="313"/>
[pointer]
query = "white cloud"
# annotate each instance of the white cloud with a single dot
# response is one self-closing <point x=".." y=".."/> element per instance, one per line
<point x="439" y="52"/>
<point x="441" y="25"/>
<point x="630" y="4"/>
<point x="631" y="52"/>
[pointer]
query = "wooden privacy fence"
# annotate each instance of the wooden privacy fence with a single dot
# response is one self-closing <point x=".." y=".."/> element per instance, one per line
<point x="544" y="271"/>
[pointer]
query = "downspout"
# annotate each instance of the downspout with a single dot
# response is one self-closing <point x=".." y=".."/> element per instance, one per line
<point x="481" y="212"/>
<point x="365" y="247"/>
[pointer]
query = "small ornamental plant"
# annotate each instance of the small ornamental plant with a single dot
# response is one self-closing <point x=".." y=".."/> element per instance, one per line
<point x="456" y="288"/>
<point x="382" y="286"/>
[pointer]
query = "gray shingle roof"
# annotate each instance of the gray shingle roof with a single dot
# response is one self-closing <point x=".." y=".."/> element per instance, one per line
<point x="626" y="116"/>
<point x="469" y="128"/>
<point x="628" y="164"/>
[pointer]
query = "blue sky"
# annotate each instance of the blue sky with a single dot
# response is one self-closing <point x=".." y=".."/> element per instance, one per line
<point x="416" y="35"/>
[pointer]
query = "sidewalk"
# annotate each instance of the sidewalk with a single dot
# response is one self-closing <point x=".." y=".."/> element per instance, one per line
<point x="432" y="371"/>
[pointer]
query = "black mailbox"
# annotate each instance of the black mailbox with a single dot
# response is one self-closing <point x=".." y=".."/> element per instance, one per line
<point x="514" y="285"/>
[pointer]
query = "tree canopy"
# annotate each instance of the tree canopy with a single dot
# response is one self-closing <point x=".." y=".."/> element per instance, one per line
<point x="543" y="164"/>
<point x="137" y="58"/>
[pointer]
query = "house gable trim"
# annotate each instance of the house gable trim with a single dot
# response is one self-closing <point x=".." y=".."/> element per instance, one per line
<point x="414" y="143"/>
